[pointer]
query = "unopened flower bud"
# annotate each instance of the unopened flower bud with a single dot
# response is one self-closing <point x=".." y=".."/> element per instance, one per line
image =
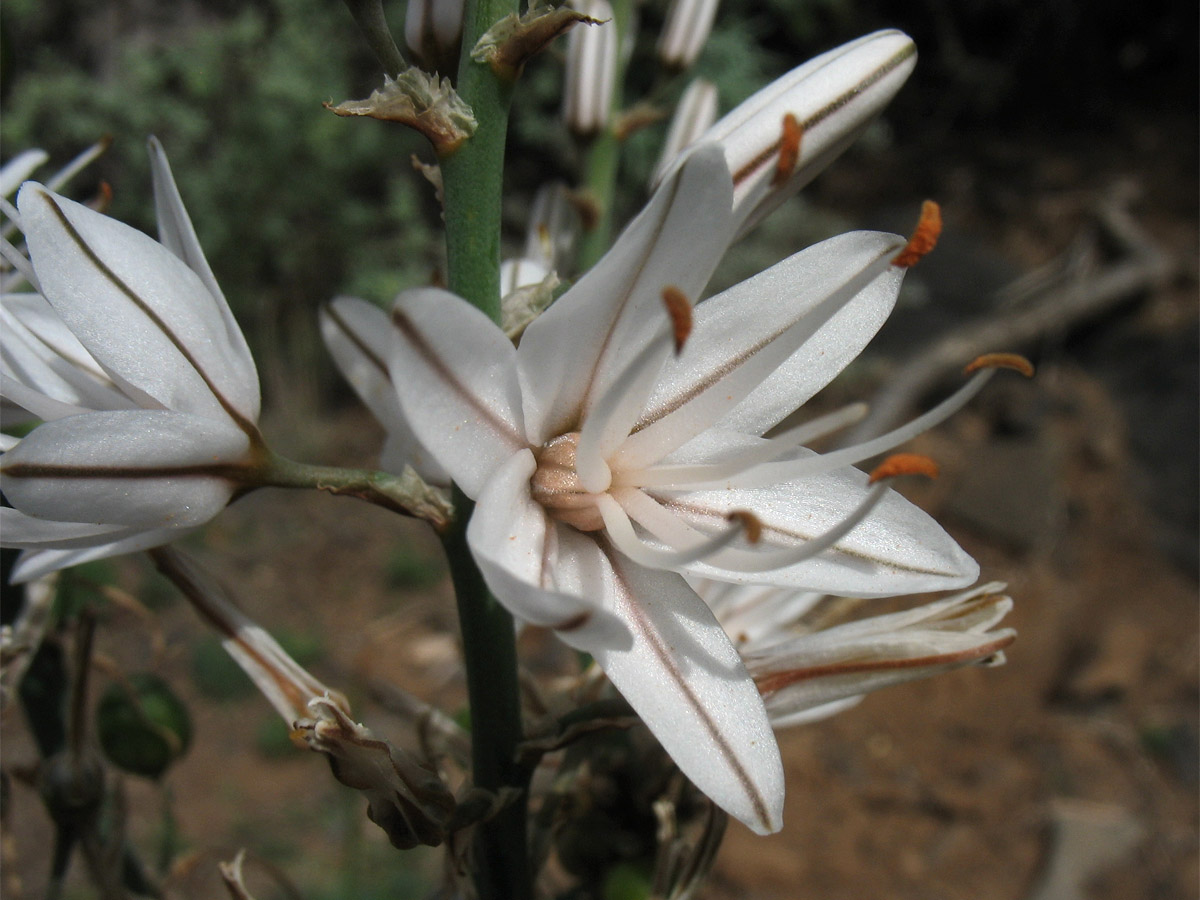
<point x="779" y="139"/>
<point x="685" y="32"/>
<point x="433" y="30"/>
<point x="694" y="115"/>
<point x="591" y="69"/>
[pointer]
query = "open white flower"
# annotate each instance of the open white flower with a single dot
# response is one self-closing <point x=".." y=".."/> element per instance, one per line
<point x="130" y="355"/>
<point x="603" y="467"/>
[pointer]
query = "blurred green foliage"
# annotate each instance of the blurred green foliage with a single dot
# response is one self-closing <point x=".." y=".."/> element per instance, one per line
<point x="292" y="204"/>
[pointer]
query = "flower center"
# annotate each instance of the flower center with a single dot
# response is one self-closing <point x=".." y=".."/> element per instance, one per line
<point x="555" y="485"/>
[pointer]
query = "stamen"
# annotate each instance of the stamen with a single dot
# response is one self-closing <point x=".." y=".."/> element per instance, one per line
<point x="103" y="200"/>
<point x="1013" y="361"/>
<point x="669" y="528"/>
<point x="924" y="239"/>
<point x="750" y="522"/>
<point x="609" y="421"/>
<point x="620" y="532"/>
<point x="17" y="260"/>
<point x="775" y="472"/>
<point x="680" y="311"/>
<point x="789" y="150"/>
<point x="904" y="464"/>
<point x="768" y="450"/>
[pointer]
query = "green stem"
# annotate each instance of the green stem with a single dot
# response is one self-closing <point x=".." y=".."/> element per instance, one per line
<point x="604" y="154"/>
<point x="501" y="854"/>
<point x="472" y="175"/>
<point x="472" y="179"/>
<point x="406" y="493"/>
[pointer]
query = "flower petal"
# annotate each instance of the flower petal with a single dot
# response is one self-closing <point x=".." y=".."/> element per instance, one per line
<point x="574" y="351"/>
<point x="513" y="540"/>
<point x="142" y="469"/>
<point x="759" y="350"/>
<point x="140" y="311"/>
<point x="897" y="549"/>
<point x="684" y="678"/>
<point x="359" y="337"/>
<point x="455" y="374"/>
<point x="176" y="233"/>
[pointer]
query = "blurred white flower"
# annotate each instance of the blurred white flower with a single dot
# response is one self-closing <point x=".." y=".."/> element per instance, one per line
<point x="433" y="31"/>
<point x="685" y="31"/>
<point x="694" y="115"/>
<point x="130" y="355"/>
<point x="603" y="466"/>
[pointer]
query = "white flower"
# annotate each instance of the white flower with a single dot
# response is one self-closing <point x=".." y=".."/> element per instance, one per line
<point x="433" y="30"/>
<point x="602" y="466"/>
<point x="808" y="676"/>
<point x="779" y="139"/>
<point x="131" y="356"/>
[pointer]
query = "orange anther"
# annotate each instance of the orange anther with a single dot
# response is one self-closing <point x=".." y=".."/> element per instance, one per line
<point x="749" y="521"/>
<point x="680" y="311"/>
<point x="789" y="150"/>
<point x="1013" y="361"/>
<point x="924" y="239"/>
<point x="904" y="464"/>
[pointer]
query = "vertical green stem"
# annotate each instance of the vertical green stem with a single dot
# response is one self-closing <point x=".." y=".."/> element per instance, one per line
<point x="604" y="153"/>
<point x="472" y="178"/>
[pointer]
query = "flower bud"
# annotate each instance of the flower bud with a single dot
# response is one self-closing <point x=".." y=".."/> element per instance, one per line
<point x="779" y="139"/>
<point x="694" y="114"/>
<point x="433" y="30"/>
<point x="591" y="70"/>
<point x="685" y="32"/>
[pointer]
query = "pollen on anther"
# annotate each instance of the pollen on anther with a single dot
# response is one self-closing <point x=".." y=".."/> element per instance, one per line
<point x="789" y="150"/>
<point x="904" y="464"/>
<point x="749" y="522"/>
<point x="1013" y="361"/>
<point x="924" y="239"/>
<point x="680" y="311"/>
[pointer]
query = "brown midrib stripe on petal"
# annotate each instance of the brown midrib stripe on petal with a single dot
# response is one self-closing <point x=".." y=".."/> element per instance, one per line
<point x="417" y="341"/>
<point x="241" y="421"/>
<point x="352" y="337"/>
<point x="759" y="803"/>
<point x="775" y="681"/>
<point x="229" y="471"/>
<point x="825" y="112"/>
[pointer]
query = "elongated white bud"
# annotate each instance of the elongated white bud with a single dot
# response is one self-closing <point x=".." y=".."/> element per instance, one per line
<point x="689" y="22"/>
<point x="783" y="136"/>
<point x="432" y="30"/>
<point x="591" y="69"/>
<point x="695" y="114"/>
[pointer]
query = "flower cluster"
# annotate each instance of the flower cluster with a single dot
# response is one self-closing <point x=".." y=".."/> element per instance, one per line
<point x="632" y="487"/>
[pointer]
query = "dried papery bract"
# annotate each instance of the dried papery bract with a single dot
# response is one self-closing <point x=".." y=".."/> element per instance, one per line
<point x="424" y="102"/>
<point x="694" y="115"/>
<point x="685" y="32"/>
<point x="591" y="70"/>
